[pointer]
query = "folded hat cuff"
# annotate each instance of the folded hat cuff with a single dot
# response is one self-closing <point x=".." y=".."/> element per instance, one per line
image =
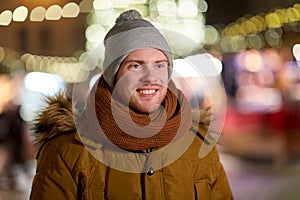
<point x="117" y="48"/>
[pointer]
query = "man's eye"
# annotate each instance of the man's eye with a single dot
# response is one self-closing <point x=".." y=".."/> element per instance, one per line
<point x="135" y="67"/>
<point x="161" y="66"/>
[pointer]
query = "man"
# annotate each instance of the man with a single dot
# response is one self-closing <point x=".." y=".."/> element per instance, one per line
<point x="136" y="139"/>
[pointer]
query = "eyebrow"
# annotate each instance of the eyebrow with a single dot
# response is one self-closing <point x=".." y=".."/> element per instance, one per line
<point x="141" y="61"/>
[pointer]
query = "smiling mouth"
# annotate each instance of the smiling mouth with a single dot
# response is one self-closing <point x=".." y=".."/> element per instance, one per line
<point x="147" y="92"/>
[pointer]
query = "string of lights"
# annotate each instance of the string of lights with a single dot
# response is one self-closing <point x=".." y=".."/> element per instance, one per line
<point x="183" y="16"/>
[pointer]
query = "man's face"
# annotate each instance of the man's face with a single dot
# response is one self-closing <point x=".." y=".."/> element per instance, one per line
<point x="142" y="80"/>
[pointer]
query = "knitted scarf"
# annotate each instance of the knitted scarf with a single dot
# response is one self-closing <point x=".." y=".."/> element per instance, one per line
<point x="134" y="131"/>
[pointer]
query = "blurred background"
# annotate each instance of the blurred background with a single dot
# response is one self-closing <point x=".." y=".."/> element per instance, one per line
<point x="51" y="46"/>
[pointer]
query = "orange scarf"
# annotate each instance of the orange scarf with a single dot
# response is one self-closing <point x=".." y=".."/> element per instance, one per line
<point x="139" y="131"/>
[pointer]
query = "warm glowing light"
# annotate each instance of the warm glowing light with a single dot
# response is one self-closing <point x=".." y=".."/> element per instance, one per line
<point x="259" y="22"/>
<point x="159" y="12"/>
<point x="273" y="20"/>
<point x="251" y="26"/>
<point x="273" y="37"/>
<point x="255" y="41"/>
<point x="44" y="83"/>
<point x="199" y="65"/>
<point x="211" y="35"/>
<point x="89" y="61"/>
<point x="202" y="6"/>
<point x="20" y="14"/>
<point x="142" y="8"/>
<point x="236" y="43"/>
<point x="181" y="68"/>
<point x="194" y="29"/>
<point x="120" y="3"/>
<point x="72" y="72"/>
<point x="236" y="29"/>
<point x="296" y="51"/>
<point x="188" y="9"/>
<point x="102" y="4"/>
<point x="29" y="61"/>
<point x="95" y="33"/>
<point x="38" y="14"/>
<point x="71" y="10"/>
<point x="253" y="61"/>
<point x="293" y="14"/>
<point x="282" y="14"/>
<point x="86" y="6"/>
<point x="190" y="32"/>
<point x="105" y="17"/>
<point x="166" y="7"/>
<point x="5" y="18"/>
<point x="54" y="12"/>
<point x="138" y="1"/>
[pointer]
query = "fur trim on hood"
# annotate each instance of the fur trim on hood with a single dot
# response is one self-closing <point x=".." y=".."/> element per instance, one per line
<point x="55" y="119"/>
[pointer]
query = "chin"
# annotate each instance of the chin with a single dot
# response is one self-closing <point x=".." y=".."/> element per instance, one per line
<point x="152" y="109"/>
<point x="144" y="109"/>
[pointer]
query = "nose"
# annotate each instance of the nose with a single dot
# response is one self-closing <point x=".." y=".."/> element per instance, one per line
<point x="149" y="74"/>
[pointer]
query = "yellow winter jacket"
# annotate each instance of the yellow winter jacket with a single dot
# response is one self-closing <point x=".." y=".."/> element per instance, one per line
<point x="68" y="168"/>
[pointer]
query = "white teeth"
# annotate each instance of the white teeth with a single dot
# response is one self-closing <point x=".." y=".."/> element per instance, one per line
<point x="147" y="91"/>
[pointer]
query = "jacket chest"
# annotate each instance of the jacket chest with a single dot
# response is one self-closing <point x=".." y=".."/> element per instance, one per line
<point x="157" y="185"/>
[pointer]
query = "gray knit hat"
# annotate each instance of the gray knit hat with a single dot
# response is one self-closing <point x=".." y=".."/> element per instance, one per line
<point x="130" y="33"/>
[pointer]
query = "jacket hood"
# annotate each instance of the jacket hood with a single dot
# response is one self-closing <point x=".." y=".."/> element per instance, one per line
<point x="55" y="119"/>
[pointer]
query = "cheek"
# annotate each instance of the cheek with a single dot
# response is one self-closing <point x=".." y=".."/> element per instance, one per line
<point x="164" y="75"/>
<point x="164" y="79"/>
<point x="127" y="82"/>
<point x="164" y="92"/>
<point x="125" y="86"/>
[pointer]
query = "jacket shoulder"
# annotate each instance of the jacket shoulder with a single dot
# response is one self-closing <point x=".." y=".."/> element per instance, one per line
<point x="69" y="149"/>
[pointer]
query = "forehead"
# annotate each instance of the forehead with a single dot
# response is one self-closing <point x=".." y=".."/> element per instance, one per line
<point x="147" y="55"/>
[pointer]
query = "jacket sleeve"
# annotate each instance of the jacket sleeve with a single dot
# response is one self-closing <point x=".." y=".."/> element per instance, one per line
<point x="53" y="180"/>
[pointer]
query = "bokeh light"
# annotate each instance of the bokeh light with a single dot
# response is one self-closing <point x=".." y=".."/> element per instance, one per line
<point x="5" y="18"/>
<point x="102" y="4"/>
<point x="54" y="12"/>
<point x="296" y="52"/>
<point x="38" y="14"/>
<point x="188" y="9"/>
<point x="45" y="83"/>
<point x="182" y="16"/>
<point x="20" y="14"/>
<point x="70" y="10"/>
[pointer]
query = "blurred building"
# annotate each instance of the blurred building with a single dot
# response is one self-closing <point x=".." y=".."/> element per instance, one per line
<point x="40" y="34"/>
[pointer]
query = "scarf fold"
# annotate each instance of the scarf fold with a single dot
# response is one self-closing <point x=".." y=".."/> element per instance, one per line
<point x="134" y="131"/>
